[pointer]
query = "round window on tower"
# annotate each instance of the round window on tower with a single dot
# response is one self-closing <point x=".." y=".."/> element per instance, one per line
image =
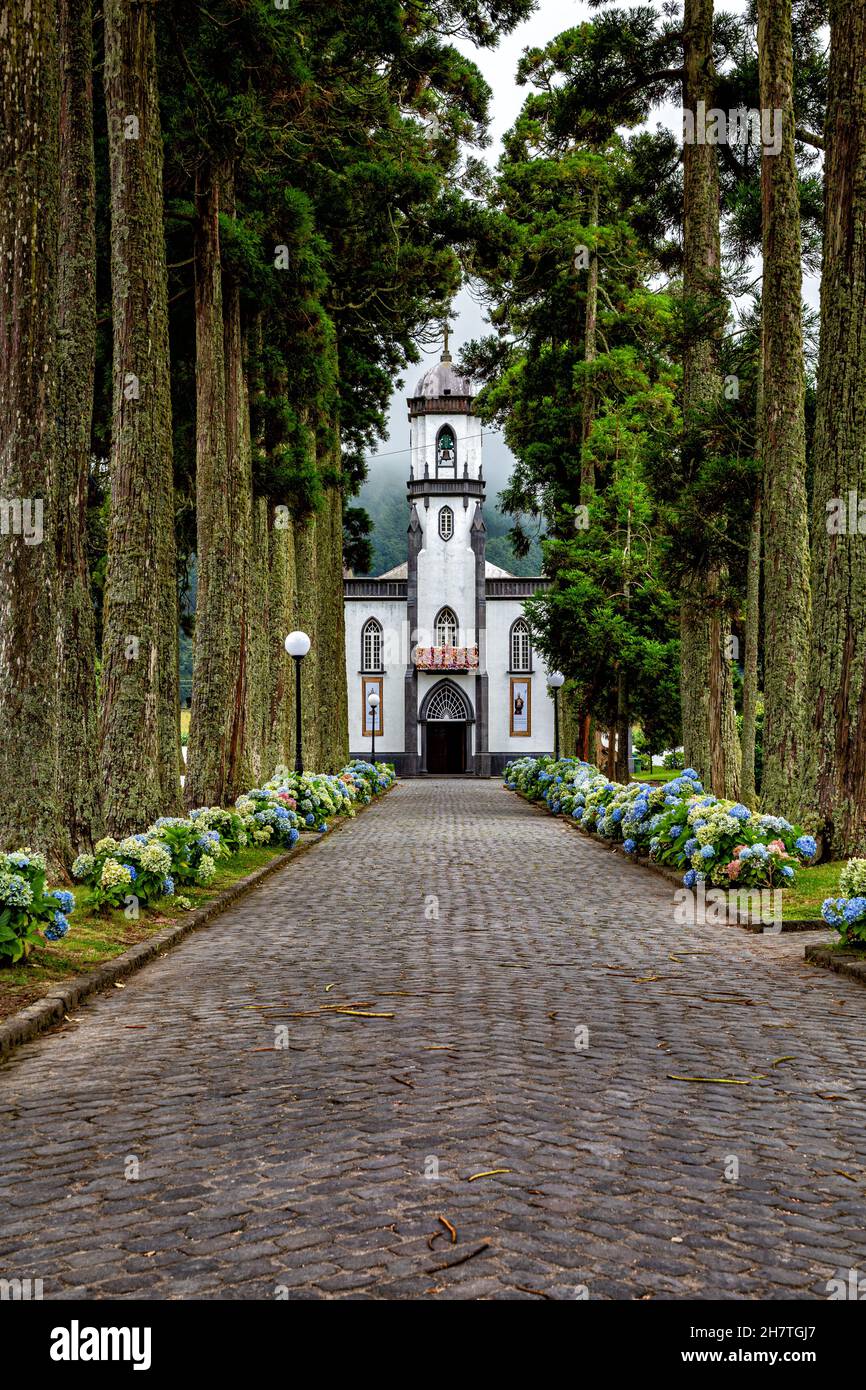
<point x="446" y="523"/>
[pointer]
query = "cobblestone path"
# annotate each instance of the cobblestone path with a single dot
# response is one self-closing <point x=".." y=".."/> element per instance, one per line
<point x="310" y="1169"/>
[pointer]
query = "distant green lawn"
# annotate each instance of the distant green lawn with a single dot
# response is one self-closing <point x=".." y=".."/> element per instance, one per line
<point x="812" y="886"/>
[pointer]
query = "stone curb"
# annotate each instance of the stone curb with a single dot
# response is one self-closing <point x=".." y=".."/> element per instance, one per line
<point x="743" y="921"/>
<point x="46" y="1012"/>
<point x="850" y="963"/>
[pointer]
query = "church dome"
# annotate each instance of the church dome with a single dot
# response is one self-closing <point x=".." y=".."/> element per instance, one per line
<point x="442" y="380"/>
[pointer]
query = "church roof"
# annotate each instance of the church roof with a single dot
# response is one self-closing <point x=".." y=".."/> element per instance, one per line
<point x="442" y="380"/>
<point x="490" y="572"/>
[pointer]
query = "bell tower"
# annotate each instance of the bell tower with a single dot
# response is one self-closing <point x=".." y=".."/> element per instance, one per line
<point x="447" y="542"/>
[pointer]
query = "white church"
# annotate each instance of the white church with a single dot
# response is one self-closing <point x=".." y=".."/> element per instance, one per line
<point x="441" y="640"/>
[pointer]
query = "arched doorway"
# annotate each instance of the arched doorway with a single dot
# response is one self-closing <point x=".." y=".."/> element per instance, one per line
<point x="446" y="720"/>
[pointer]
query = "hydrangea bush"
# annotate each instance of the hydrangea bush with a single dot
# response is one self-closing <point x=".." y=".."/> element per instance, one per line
<point x="676" y="823"/>
<point x="185" y="851"/>
<point x="847" y="913"/>
<point x="29" y="912"/>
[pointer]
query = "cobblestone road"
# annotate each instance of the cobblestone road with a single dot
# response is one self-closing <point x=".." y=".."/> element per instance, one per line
<point x="310" y="1169"/>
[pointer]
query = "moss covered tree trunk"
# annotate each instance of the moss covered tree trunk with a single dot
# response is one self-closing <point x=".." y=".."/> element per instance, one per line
<point x="280" y="670"/>
<point x="216" y="635"/>
<point x="748" y="789"/>
<point x="307" y="601"/>
<point x="259" y="648"/>
<point x="240" y="506"/>
<point x="29" y="196"/>
<point x="787" y="596"/>
<point x="333" y="695"/>
<point x="139" y="717"/>
<point x="838" y="655"/>
<point x="79" y="783"/>
<point x="709" y="727"/>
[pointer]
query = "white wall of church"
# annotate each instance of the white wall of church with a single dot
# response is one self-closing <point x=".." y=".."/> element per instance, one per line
<point x="501" y="613"/>
<point x="392" y="615"/>
<point x="446" y="571"/>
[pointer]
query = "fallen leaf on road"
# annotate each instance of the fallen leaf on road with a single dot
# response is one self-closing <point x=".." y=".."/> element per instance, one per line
<point x="488" y="1173"/>
<point x="452" y="1230"/>
<point x="360" y="1013"/>
<point x="712" y="1080"/>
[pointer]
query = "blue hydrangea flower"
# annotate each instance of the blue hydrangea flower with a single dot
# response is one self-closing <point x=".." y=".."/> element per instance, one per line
<point x="690" y="773"/>
<point x="854" y="910"/>
<point x="309" y="818"/>
<point x="690" y="846"/>
<point x="133" y="872"/>
<point x="629" y="846"/>
<point x="708" y="852"/>
<point x="65" y="900"/>
<point x="58" y="929"/>
<point x="168" y="887"/>
<point x="787" y="871"/>
<point x="617" y="815"/>
<point x="807" y="846"/>
<point x="675" y="832"/>
<point x="690" y="879"/>
<point x="293" y="836"/>
<point x="740" y="812"/>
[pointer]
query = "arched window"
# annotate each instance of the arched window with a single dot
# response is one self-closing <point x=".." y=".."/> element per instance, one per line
<point x="446" y="523"/>
<point x="446" y="453"/>
<point x="371" y="645"/>
<point x="521" y="651"/>
<point x="446" y="628"/>
<point x="446" y="704"/>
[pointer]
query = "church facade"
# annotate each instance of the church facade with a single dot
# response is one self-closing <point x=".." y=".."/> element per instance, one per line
<point x="442" y="639"/>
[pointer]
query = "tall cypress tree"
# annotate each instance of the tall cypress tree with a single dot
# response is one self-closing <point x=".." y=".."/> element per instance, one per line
<point x="140" y="708"/>
<point x="787" y="596"/>
<point x="706" y="689"/>
<point x="838" y="651"/>
<point x="78" y="761"/>
<point x="29" y="198"/>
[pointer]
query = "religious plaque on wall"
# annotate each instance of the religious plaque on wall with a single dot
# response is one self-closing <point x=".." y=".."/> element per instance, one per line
<point x="521" y="707"/>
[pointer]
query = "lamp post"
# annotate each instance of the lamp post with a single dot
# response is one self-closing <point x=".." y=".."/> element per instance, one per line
<point x="297" y="645"/>
<point x="373" y="702"/>
<point x="554" y="680"/>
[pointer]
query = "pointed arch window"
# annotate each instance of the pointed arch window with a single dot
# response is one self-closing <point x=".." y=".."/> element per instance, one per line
<point x="446" y="704"/>
<point x="446" y="523"/>
<point x="446" y="628"/>
<point x="521" y="648"/>
<point x="446" y="453"/>
<point x="371" y="645"/>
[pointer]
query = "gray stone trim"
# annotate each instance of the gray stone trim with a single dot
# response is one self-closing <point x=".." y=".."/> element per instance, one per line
<point x="410" y="682"/>
<point x="470" y="720"/>
<point x="478" y="535"/>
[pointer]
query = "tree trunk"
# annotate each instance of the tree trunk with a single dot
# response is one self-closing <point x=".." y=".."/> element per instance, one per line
<point x="307" y="551"/>
<point x="709" y="729"/>
<point x="748" y="790"/>
<point x="140" y="755"/>
<point x="333" y="695"/>
<point x="79" y="784"/>
<point x="590" y="323"/>
<point x="239" y="463"/>
<point x="787" y="596"/>
<point x="259" y="663"/>
<point x="216" y="636"/>
<point x="280" y="671"/>
<point x="29" y="198"/>
<point x="837" y="777"/>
